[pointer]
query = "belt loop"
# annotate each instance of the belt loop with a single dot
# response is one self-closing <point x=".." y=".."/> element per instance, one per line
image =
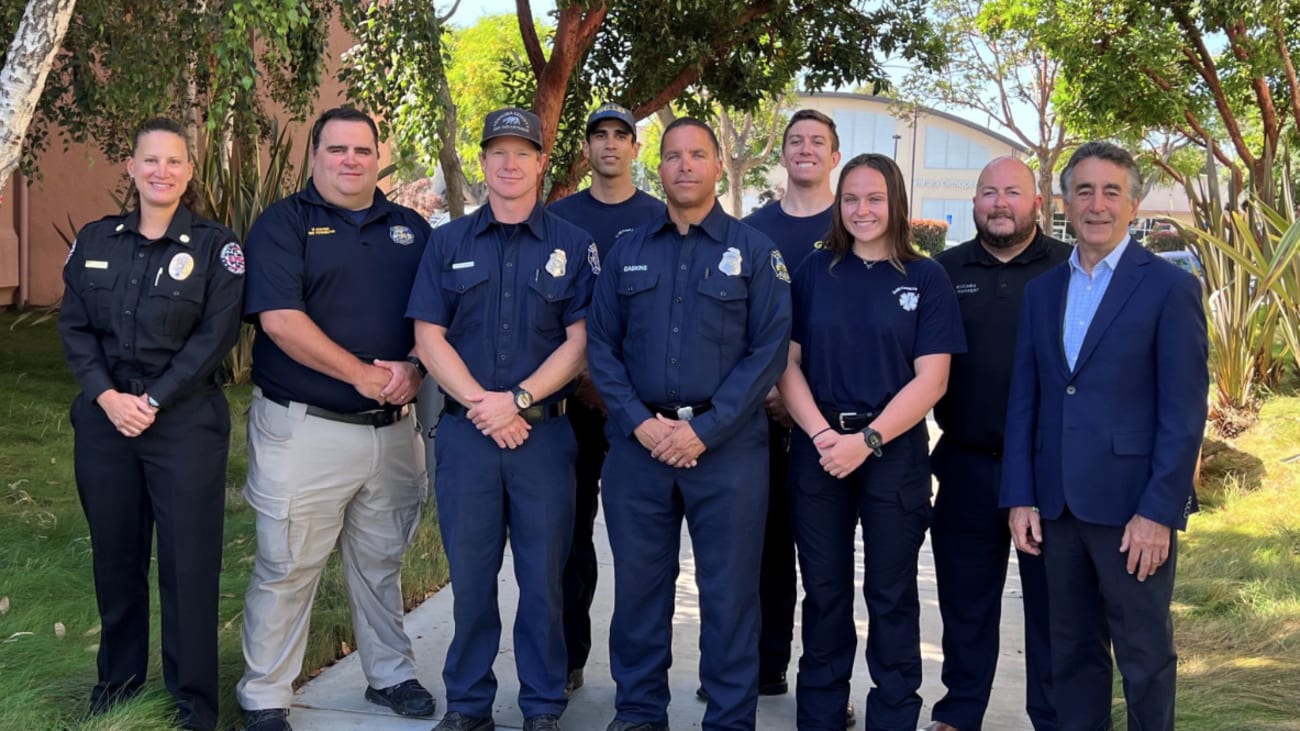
<point x="297" y="410"/>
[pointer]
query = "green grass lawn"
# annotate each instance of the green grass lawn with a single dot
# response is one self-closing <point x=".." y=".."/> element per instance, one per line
<point x="48" y="622"/>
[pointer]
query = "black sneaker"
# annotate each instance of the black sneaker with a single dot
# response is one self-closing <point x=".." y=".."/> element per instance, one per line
<point x="267" y="719"/>
<point x="407" y="698"/>
<point x="457" y="721"/>
<point x="701" y="694"/>
<point x="618" y="725"/>
<point x="573" y="682"/>
<point x="773" y="685"/>
<point x="545" y="722"/>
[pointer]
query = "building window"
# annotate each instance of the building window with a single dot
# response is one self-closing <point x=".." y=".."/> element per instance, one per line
<point x="955" y="211"/>
<point x="947" y="151"/>
<point x="861" y="132"/>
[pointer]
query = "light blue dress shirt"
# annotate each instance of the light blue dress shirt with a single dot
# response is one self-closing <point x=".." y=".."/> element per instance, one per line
<point x="1084" y="296"/>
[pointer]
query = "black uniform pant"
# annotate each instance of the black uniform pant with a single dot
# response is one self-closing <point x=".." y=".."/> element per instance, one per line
<point x="173" y="477"/>
<point x="580" y="569"/>
<point x="776" y="585"/>
<point x="972" y="543"/>
<point x="1095" y="604"/>
<point x="890" y="497"/>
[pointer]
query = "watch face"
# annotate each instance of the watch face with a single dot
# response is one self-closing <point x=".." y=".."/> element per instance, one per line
<point x="523" y="399"/>
<point x="873" y="438"/>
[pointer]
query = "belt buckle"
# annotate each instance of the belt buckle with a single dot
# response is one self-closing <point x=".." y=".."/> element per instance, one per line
<point x="685" y="413"/>
<point x="846" y="415"/>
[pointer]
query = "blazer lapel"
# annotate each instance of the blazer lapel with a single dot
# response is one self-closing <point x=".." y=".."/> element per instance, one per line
<point x="1062" y="274"/>
<point x="1123" y="282"/>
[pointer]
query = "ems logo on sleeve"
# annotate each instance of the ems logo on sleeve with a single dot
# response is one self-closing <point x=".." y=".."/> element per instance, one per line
<point x="908" y="298"/>
<point x="232" y="258"/>
<point x="593" y="258"/>
<point x="778" y="266"/>
<point x="401" y="235"/>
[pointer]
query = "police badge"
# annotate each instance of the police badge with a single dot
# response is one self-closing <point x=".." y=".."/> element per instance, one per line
<point x="557" y="264"/>
<point x="401" y="235"/>
<point x="731" y="261"/>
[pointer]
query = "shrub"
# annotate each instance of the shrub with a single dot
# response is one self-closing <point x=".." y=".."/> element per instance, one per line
<point x="1165" y="241"/>
<point x="930" y="236"/>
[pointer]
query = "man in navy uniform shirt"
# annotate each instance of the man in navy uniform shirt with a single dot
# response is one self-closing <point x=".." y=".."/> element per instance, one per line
<point x="690" y="326"/>
<point x="969" y="535"/>
<point x="611" y="206"/>
<point x="500" y="305"/>
<point x="810" y="150"/>
<point x="332" y="456"/>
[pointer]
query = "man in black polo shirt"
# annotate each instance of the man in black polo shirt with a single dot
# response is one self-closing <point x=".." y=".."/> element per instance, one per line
<point x="969" y="534"/>
<point x="332" y="456"/>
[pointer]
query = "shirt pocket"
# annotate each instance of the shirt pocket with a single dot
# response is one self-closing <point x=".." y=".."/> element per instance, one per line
<point x="550" y="299"/>
<point x="96" y="291"/>
<point x="464" y="289"/>
<point x="175" y="307"/>
<point x="637" y="303"/>
<point x="723" y="309"/>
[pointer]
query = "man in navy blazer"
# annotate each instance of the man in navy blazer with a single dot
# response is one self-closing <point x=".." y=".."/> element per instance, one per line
<point x="1104" y="425"/>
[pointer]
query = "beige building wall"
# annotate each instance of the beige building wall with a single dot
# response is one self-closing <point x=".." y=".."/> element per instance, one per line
<point x="77" y="185"/>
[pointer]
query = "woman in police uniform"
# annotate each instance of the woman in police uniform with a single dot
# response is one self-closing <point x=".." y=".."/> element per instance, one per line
<point x="874" y="325"/>
<point x="151" y="307"/>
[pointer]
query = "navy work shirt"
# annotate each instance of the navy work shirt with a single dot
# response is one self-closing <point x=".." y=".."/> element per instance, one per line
<point x="793" y="235"/>
<point x="163" y="313"/>
<point x="505" y="292"/>
<point x="684" y="320"/>
<point x="352" y="277"/>
<point x="861" y="329"/>
<point x="973" y="412"/>
<point x="605" y="221"/>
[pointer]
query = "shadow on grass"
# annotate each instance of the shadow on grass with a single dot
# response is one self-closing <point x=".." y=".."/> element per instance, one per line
<point x="1225" y="470"/>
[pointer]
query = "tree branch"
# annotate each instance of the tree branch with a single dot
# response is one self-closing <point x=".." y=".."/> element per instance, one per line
<point x="532" y="45"/>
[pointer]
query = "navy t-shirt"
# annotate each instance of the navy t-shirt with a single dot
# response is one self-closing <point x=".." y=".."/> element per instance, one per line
<point x="861" y="329"/>
<point x="605" y="221"/>
<point x="505" y="293"/>
<point x="793" y="235"/>
<point x="351" y="279"/>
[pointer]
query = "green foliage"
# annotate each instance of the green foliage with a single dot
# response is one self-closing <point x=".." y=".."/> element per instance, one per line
<point x="929" y="235"/>
<point x="396" y="70"/>
<point x="1164" y="241"/>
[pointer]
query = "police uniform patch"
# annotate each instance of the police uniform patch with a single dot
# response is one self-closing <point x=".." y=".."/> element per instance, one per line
<point x="778" y="266"/>
<point x="593" y="258"/>
<point x="180" y="267"/>
<point x="557" y="264"/>
<point x="401" y="235"/>
<point x="232" y="258"/>
<point x="731" y="262"/>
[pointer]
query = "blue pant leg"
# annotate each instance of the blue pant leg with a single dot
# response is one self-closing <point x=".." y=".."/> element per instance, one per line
<point x="539" y="482"/>
<point x="971" y="543"/>
<point x="1038" y="650"/>
<point x="894" y="505"/>
<point x="725" y="507"/>
<point x="471" y="516"/>
<point x="643" y="513"/>
<point x="823" y="511"/>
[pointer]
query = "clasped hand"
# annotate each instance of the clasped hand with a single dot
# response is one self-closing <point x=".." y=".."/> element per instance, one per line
<point x="841" y="454"/>
<point x="672" y="442"/>
<point x="389" y="382"/>
<point x="495" y="415"/>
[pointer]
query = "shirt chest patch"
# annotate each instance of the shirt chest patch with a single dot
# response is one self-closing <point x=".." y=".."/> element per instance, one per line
<point x="967" y="288"/>
<point x="908" y="298"/>
<point x="636" y="268"/>
<point x="320" y="231"/>
<point x="401" y="235"/>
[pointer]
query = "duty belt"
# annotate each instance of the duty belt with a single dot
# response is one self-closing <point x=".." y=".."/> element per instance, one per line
<point x="376" y="418"/>
<point x="532" y="414"/>
<point x="681" y="412"/>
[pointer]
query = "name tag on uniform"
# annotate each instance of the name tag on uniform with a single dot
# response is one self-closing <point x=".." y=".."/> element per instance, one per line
<point x="462" y="265"/>
<point x="96" y="264"/>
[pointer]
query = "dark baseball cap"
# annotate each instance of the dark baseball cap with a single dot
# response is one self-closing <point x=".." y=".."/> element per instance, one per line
<point x="611" y="111"/>
<point x="512" y="122"/>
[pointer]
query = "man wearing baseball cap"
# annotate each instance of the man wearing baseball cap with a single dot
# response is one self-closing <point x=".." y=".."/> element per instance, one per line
<point x="500" y="306"/>
<point x="611" y="206"/>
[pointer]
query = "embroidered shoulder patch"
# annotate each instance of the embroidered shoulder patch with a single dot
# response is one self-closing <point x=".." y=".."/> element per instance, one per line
<point x="232" y="258"/>
<point x="593" y="258"/>
<point x="778" y="266"/>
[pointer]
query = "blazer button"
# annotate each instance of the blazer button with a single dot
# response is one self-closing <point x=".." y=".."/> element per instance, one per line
<point x="1069" y="390"/>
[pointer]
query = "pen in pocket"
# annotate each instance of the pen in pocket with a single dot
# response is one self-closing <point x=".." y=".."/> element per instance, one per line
<point x="157" y="277"/>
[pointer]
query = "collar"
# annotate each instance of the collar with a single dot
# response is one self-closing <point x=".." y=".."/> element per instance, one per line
<point x="378" y="207"/>
<point x="714" y="224"/>
<point x="178" y="230"/>
<point x="1037" y="249"/>
<point x="535" y="223"/>
<point x="1111" y="260"/>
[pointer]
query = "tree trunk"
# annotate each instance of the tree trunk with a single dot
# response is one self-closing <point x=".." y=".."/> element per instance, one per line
<point x="1045" y="165"/>
<point x="453" y="175"/>
<point x="31" y="55"/>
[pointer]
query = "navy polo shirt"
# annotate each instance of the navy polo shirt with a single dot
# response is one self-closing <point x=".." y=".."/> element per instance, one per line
<point x="684" y="320"/>
<point x="352" y="279"/>
<point x="793" y="235"/>
<point x="861" y="329"/>
<point x="605" y="221"/>
<point x="505" y="292"/>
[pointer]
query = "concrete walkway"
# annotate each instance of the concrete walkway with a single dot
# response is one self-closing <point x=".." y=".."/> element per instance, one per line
<point x="333" y="701"/>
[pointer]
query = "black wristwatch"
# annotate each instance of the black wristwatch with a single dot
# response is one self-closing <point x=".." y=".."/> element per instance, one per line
<point x="874" y="441"/>
<point x="419" y="366"/>
<point x="523" y="399"/>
